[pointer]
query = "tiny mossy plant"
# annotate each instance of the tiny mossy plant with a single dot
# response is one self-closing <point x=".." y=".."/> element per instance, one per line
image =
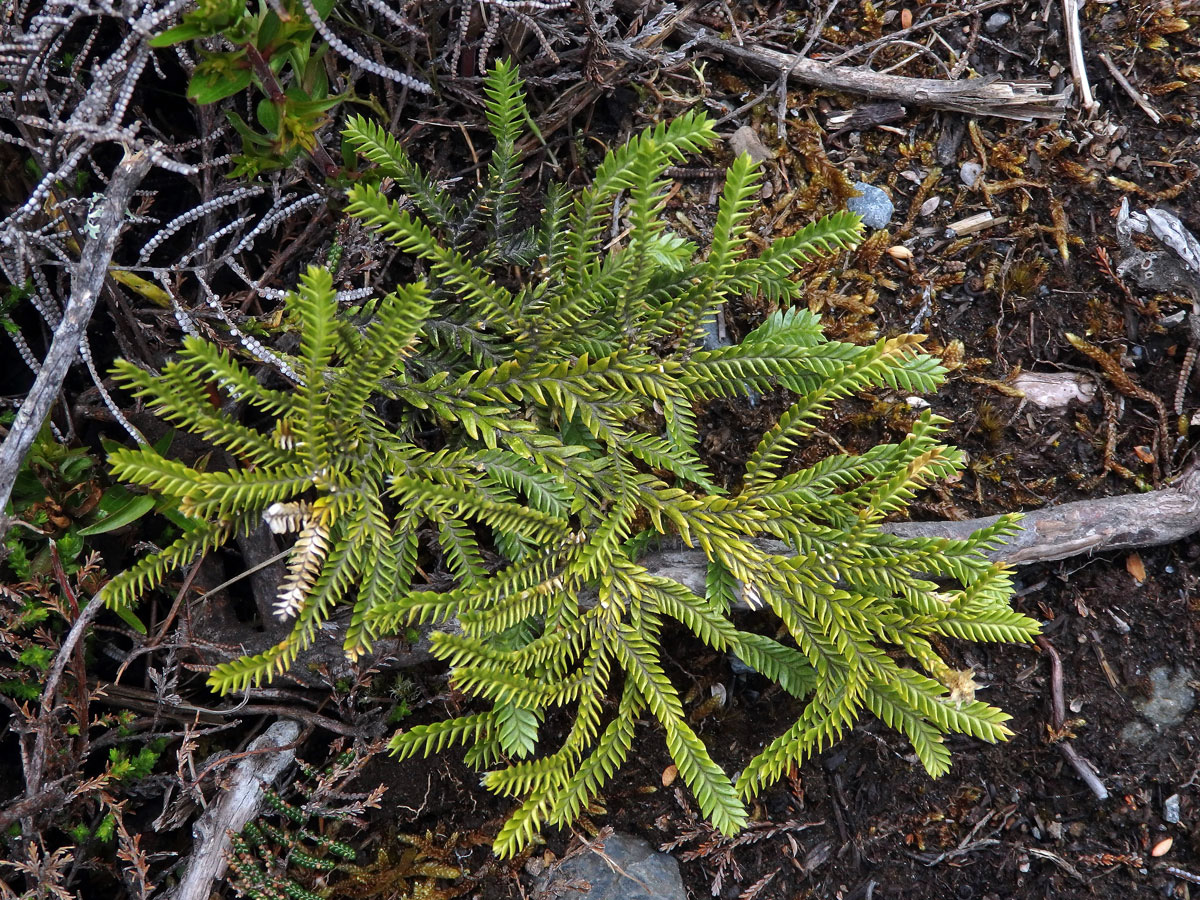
<point x="519" y="418"/>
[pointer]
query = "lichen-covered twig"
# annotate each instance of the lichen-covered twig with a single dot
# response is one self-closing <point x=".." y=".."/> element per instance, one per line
<point x="238" y="803"/>
<point x="85" y="289"/>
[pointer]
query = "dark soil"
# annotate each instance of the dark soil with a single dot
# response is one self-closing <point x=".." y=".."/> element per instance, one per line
<point x="863" y="820"/>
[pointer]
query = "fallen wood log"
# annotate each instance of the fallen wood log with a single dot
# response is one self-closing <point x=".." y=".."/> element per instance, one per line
<point x="1021" y="100"/>
<point x="1104" y="525"/>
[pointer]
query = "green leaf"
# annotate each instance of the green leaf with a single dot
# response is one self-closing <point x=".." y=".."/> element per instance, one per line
<point x="268" y="115"/>
<point x="130" y="619"/>
<point x="518" y="729"/>
<point x="186" y="32"/>
<point x="217" y="81"/>
<point x="131" y="511"/>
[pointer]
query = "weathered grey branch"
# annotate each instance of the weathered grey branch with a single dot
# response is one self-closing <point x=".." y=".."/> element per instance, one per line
<point x="86" y="282"/>
<point x="236" y="805"/>
<point x="37" y="762"/>
<point x="1022" y="100"/>
<point x="1088" y="526"/>
<point x="1056" y="532"/>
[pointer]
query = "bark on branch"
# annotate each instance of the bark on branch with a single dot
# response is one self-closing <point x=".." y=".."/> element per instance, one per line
<point x="86" y="282"/>
<point x="1022" y="100"/>
<point x="1088" y="526"/>
<point x="1056" y="532"/>
<point x="238" y="802"/>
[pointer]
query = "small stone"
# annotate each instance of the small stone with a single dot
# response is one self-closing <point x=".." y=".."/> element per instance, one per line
<point x="930" y="206"/>
<point x="740" y="668"/>
<point x="872" y="204"/>
<point x="1172" y="698"/>
<point x="996" y="21"/>
<point x="1171" y="810"/>
<point x="630" y="869"/>
<point x="746" y="140"/>
<point x="969" y="172"/>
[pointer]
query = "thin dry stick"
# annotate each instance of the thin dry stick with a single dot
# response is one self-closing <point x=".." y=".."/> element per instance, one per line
<point x="37" y="763"/>
<point x="1134" y="94"/>
<point x="85" y="289"/>
<point x="126" y="697"/>
<point x="1022" y="100"/>
<point x="1070" y="12"/>
<point x="1058" y="717"/>
<point x="51" y="796"/>
<point x="781" y="85"/>
<point x="238" y="803"/>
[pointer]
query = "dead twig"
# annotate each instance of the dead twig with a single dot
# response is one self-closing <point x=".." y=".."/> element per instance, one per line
<point x="125" y="697"/>
<point x="1074" y="36"/>
<point x="86" y="281"/>
<point x="66" y="653"/>
<point x="1134" y="94"/>
<point x="1021" y="100"/>
<point x="52" y="796"/>
<point x="1058" y="718"/>
<point x="240" y="802"/>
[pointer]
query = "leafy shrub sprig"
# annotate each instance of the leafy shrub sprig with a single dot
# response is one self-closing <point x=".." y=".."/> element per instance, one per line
<point x="565" y="400"/>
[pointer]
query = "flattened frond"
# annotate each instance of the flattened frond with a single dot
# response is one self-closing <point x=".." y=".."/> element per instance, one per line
<point x="527" y="423"/>
<point x="381" y="148"/>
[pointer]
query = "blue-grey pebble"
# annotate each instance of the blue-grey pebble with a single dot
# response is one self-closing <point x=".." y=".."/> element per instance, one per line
<point x="996" y="21"/>
<point x="873" y="205"/>
<point x="630" y="869"/>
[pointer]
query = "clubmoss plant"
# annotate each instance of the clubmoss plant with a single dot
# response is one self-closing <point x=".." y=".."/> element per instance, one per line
<point x="520" y="417"/>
